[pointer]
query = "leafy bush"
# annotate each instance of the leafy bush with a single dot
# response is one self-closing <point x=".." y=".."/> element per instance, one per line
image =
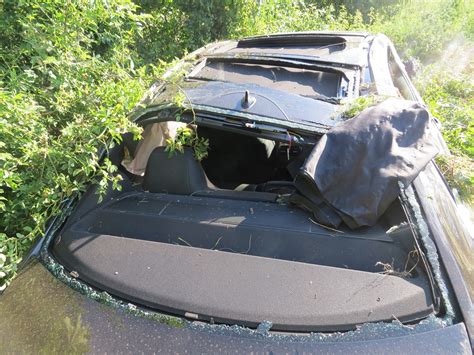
<point x="450" y="97"/>
<point x="179" y="26"/>
<point x="423" y="28"/>
<point x="67" y="84"/>
<point x="287" y="15"/>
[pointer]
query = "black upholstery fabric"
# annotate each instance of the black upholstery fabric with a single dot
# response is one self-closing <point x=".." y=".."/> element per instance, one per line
<point x="241" y="289"/>
<point x="242" y="262"/>
<point x="179" y="173"/>
<point x="357" y="166"/>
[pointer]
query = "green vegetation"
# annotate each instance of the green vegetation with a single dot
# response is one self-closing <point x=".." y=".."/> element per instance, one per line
<point x="70" y="71"/>
<point x="353" y="107"/>
<point x="187" y="136"/>
<point x="450" y="98"/>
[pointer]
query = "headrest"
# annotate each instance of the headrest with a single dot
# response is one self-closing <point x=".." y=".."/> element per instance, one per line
<point x="179" y="173"/>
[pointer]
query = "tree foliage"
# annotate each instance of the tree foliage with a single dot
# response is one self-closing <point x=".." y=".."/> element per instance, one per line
<point x="67" y="82"/>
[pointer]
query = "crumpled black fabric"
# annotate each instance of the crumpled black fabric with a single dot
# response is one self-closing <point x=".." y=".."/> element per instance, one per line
<point x="354" y="171"/>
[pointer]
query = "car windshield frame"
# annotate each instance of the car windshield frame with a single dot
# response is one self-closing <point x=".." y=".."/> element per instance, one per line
<point x="348" y="73"/>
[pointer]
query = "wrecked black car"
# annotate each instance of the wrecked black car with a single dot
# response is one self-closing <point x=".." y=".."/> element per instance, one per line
<point x="255" y="215"/>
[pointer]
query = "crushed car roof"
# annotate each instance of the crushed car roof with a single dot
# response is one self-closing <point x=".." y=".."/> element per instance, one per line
<point x="297" y="78"/>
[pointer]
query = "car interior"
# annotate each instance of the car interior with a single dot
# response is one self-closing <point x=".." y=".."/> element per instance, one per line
<point x="217" y="240"/>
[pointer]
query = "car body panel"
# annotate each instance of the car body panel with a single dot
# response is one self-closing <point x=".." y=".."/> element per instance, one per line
<point x="282" y="106"/>
<point x="452" y="236"/>
<point x="42" y="314"/>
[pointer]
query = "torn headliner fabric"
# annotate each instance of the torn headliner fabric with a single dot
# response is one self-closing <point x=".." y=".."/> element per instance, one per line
<point x="354" y="170"/>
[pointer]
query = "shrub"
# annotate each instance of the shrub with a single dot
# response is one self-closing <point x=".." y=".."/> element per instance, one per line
<point x="450" y="97"/>
<point x="67" y="84"/>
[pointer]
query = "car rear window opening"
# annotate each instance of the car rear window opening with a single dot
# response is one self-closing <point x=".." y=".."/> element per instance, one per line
<point x="216" y="239"/>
